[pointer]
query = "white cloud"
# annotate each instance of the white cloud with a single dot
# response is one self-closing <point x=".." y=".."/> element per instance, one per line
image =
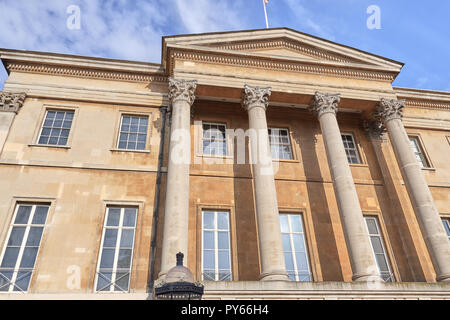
<point x="207" y="16"/>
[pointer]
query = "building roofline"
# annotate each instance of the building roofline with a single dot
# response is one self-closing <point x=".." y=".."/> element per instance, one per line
<point x="39" y="57"/>
<point x="282" y="28"/>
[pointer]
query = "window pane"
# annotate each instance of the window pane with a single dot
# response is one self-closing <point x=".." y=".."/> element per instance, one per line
<point x="10" y="257"/>
<point x="208" y="259"/>
<point x="40" y="215"/>
<point x="110" y="238"/>
<point x="28" y="258"/>
<point x="209" y="275"/>
<point x="223" y="240"/>
<point x="122" y="280"/>
<point x="22" y="281"/>
<point x="124" y="258"/>
<point x="298" y="242"/>
<point x="296" y="223"/>
<point x="34" y="236"/>
<point x="113" y="217"/>
<point x="284" y="223"/>
<point x="372" y="226"/>
<point x="107" y="259"/>
<point x="23" y="213"/>
<point x="286" y="242"/>
<point x="222" y="220"/>
<point x="16" y="237"/>
<point x="104" y="279"/>
<point x="289" y="261"/>
<point x="127" y="238"/>
<point x="129" y="220"/>
<point x="224" y="275"/>
<point x="446" y="226"/>
<point x="382" y="263"/>
<point x="302" y="263"/>
<point x="224" y="259"/>
<point x="5" y="278"/>
<point x="304" y="276"/>
<point x="208" y="220"/>
<point x="376" y="244"/>
<point x="208" y="240"/>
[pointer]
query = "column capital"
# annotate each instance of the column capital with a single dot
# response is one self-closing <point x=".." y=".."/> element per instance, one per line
<point x="389" y="109"/>
<point x="182" y="90"/>
<point x="325" y="103"/>
<point x="375" y="129"/>
<point x="11" y="102"/>
<point x="255" y="97"/>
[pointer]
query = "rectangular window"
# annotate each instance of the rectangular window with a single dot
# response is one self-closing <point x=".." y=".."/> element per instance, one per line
<point x="214" y="139"/>
<point x="133" y="132"/>
<point x="56" y="127"/>
<point x="216" y="251"/>
<point x="446" y="223"/>
<point x="116" y="255"/>
<point x="20" y="252"/>
<point x="418" y="152"/>
<point x="379" y="250"/>
<point x="294" y="247"/>
<point x="350" y="148"/>
<point x="280" y="144"/>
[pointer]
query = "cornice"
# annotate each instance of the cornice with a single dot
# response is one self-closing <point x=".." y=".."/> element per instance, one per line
<point x="84" y="72"/>
<point x="428" y="104"/>
<point x="424" y="99"/>
<point x="246" y="60"/>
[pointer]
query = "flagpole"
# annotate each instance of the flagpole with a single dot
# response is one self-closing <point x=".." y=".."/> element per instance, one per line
<point x="265" y="14"/>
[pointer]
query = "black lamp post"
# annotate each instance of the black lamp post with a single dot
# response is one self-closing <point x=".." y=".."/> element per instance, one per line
<point x="179" y="284"/>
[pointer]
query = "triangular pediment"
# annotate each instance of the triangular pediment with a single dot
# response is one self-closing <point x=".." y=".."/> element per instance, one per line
<point x="284" y="44"/>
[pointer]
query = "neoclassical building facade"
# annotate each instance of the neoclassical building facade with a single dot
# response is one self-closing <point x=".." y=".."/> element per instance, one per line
<point x="283" y="166"/>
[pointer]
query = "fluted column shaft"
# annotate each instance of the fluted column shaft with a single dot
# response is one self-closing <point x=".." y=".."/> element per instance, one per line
<point x="390" y="112"/>
<point x="176" y="214"/>
<point x="255" y="101"/>
<point x="362" y="260"/>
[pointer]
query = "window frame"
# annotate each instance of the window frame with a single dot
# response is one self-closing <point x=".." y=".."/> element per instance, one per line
<point x="43" y="114"/>
<point x="216" y="249"/>
<point x="119" y="128"/>
<point x="421" y="146"/>
<point x="305" y="243"/>
<point x="387" y="255"/>
<point x="28" y="226"/>
<point x="289" y="143"/>
<point x="356" y="148"/>
<point x="122" y="207"/>
<point x="446" y="221"/>
<point x="225" y="140"/>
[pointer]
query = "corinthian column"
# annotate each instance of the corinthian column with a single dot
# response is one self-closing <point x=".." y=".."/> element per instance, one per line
<point x="175" y="237"/>
<point x="10" y="104"/>
<point x="390" y="112"/>
<point x="255" y="101"/>
<point x="362" y="260"/>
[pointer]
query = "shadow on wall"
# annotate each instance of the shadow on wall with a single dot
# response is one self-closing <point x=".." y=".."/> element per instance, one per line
<point x="330" y="261"/>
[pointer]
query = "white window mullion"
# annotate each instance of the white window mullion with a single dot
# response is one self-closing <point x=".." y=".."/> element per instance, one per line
<point x="117" y="249"/>
<point x="22" y="248"/>
<point x="291" y="240"/>
<point x="216" y="246"/>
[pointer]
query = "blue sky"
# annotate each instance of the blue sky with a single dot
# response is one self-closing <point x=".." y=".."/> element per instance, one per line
<point x="414" y="32"/>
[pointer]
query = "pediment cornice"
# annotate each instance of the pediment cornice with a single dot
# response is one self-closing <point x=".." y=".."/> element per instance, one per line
<point x="251" y="60"/>
<point x="298" y="52"/>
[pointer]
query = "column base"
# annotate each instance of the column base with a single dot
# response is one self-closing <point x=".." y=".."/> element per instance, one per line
<point x="274" y="276"/>
<point x="443" y="278"/>
<point x="367" y="278"/>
